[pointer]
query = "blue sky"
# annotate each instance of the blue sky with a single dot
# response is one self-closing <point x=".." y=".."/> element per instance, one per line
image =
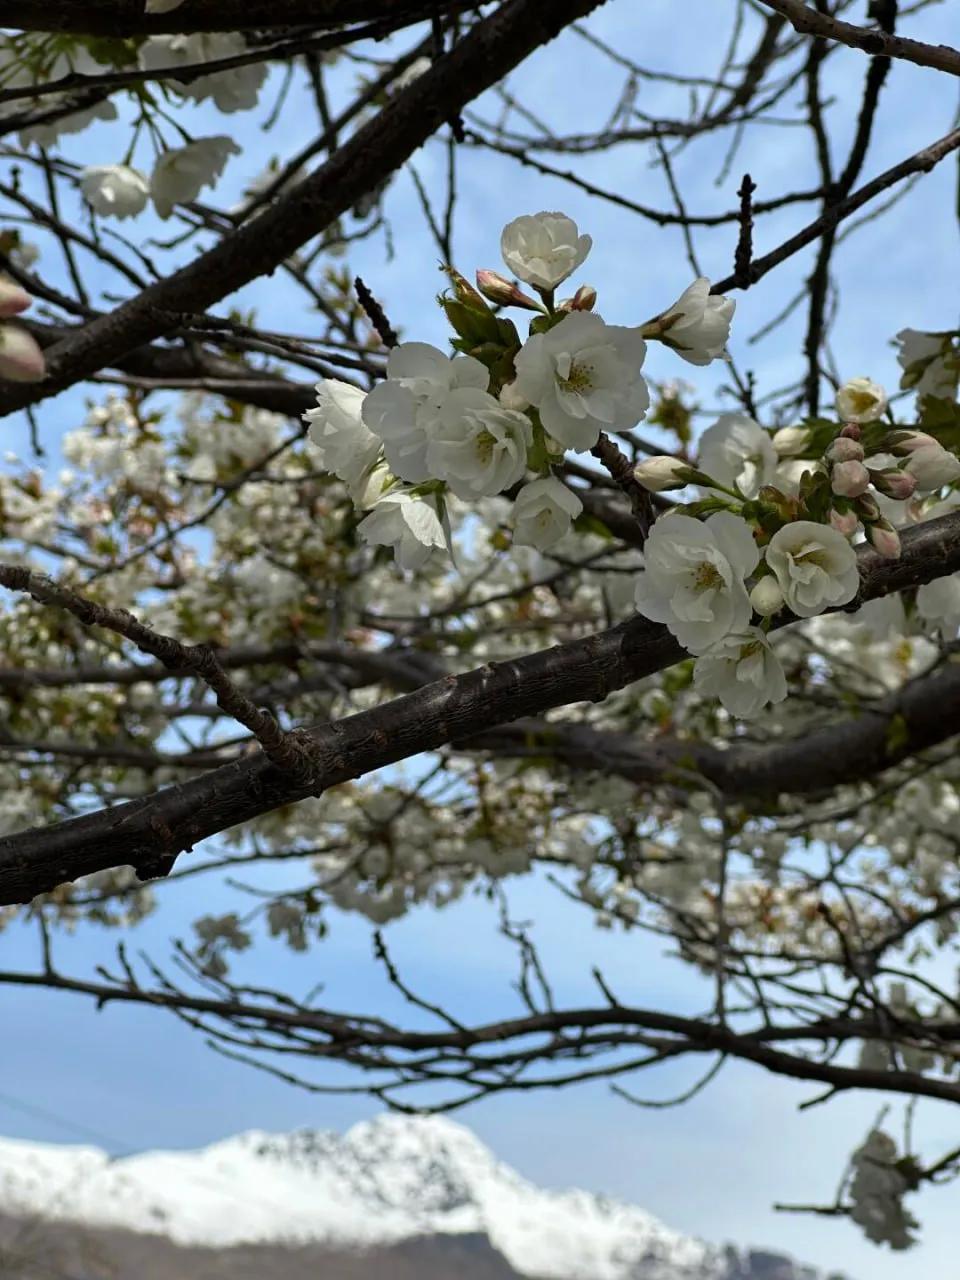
<point x="715" y="1166"/>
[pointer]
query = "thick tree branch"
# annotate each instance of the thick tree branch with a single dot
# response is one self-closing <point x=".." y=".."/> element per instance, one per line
<point x="454" y="708"/>
<point x="922" y="714"/>
<point x="127" y="18"/>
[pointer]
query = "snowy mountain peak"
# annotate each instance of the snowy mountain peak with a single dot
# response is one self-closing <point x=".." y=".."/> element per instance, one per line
<point x="384" y="1181"/>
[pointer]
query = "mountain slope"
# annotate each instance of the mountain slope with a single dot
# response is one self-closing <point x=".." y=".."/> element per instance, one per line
<point x="385" y="1181"/>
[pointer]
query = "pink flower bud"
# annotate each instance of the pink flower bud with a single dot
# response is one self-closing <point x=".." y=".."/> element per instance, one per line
<point x="844" y="449"/>
<point x="13" y="299"/>
<point x="884" y="539"/>
<point x="851" y="431"/>
<point x="21" y="360"/>
<point x="849" y="479"/>
<point x="908" y="441"/>
<point x="499" y="289"/>
<point x="844" y="522"/>
<point x="895" y="484"/>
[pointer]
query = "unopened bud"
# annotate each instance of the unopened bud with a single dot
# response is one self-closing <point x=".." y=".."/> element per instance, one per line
<point x="789" y="441"/>
<point x="905" y="442"/>
<point x="662" y="472"/>
<point x="895" y="484"/>
<point x="585" y="299"/>
<point x="766" y="597"/>
<point x="844" y="522"/>
<point x="13" y="299"/>
<point x="21" y="360"/>
<point x="849" y="479"/>
<point x="866" y="508"/>
<point x="851" y="432"/>
<point x="844" y="449"/>
<point x="504" y="292"/>
<point x="884" y="539"/>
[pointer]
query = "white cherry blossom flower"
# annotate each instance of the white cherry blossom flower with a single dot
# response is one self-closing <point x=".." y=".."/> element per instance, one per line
<point x="584" y="375"/>
<point x="478" y="447"/>
<point x="543" y="511"/>
<point x="739" y="453"/>
<point x="404" y="409"/>
<point x="179" y="176"/>
<point x="697" y="326"/>
<point x="543" y="248"/>
<point x="932" y="466"/>
<point x="921" y="357"/>
<point x="235" y="89"/>
<point x="72" y="59"/>
<point x="861" y="400"/>
<point x="50" y="132"/>
<point x="347" y="447"/>
<point x="114" y="190"/>
<point x="815" y="566"/>
<point x="938" y="603"/>
<point x="407" y="523"/>
<point x="742" y="671"/>
<point x="693" y="580"/>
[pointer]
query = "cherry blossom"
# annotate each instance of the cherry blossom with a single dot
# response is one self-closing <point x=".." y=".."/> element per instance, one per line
<point x="814" y="565"/>
<point x="542" y="249"/>
<point x="584" y="376"/>
<point x="693" y="577"/>
<point x="742" y="671"/>
<point x="409" y="524"/>
<point x="478" y="447"/>
<point x="347" y="447"/>
<point x="114" y="190"/>
<point x="697" y="326"/>
<point x="404" y="409"/>
<point x="543" y="511"/>
<point x="180" y="175"/>
<point x="738" y="453"/>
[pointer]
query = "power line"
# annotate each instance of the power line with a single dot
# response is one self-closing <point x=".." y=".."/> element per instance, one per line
<point x="41" y="1113"/>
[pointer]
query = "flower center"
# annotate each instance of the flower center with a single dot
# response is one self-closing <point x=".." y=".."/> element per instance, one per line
<point x="483" y="446"/>
<point x="574" y="377"/>
<point x="815" y="555"/>
<point x="862" y="401"/>
<point x="707" y="577"/>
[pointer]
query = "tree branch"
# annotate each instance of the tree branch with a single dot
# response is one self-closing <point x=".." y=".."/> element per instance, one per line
<point x="452" y="708"/>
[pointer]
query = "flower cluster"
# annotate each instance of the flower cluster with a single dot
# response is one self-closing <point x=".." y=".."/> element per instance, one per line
<point x="497" y="416"/>
<point x="778" y="523"/>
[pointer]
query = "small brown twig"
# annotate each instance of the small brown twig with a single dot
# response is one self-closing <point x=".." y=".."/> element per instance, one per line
<point x="621" y="470"/>
<point x="376" y="314"/>
<point x="743" y="255"/>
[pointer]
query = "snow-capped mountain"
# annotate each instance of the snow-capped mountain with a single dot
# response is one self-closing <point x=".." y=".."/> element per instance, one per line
<point x="387" y="1180"/>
